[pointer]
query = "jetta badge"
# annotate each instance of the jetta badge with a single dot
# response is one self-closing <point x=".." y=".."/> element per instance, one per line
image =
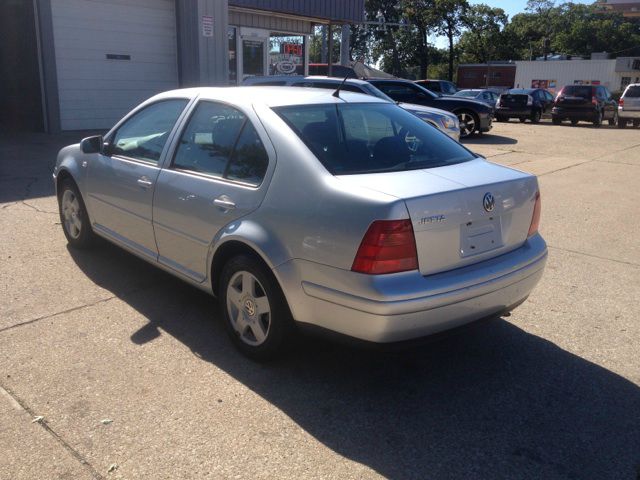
<point x="488" y="202"/>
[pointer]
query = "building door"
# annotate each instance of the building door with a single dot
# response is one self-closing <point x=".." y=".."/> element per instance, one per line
<point x="20" y="93"/>
<point x="254" y="57"/>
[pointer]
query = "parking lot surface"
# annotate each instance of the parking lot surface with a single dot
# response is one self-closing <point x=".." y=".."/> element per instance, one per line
<point x="110" y="368"/>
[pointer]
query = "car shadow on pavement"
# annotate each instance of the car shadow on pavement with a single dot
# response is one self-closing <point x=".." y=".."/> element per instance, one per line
<point x="494" y="402"/>
<point x="489" y="139"/>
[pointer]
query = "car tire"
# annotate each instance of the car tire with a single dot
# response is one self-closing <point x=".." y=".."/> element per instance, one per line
<point x="500" y="118"/>
<point x="522" y="119"/>
<point x="636" y="123"/>
<point x="536" y="115"/>
<point x="574" y="121"/>
<point x="613" y="121"/>
<point x="469" y="123"/>
<point x="622" y="122"/>
<point x="556" y="120"/>
<point x="597" y="122"/>
<point x="73" y="216"/>
<point x="255" y="312"/>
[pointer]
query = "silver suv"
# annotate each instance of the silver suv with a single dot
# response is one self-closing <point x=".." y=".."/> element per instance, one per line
<point x="629" y="106"/>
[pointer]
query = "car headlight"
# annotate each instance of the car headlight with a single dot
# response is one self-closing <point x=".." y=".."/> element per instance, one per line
<point x="449" y="122"/>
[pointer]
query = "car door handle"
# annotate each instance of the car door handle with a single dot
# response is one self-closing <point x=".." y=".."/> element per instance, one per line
<point x="224" y="202"/>
<point x="144" y="182"/>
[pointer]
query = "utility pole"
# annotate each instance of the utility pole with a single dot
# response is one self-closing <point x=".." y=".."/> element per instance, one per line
<point x="345" y="41"/>
<point x="330" y="50"/>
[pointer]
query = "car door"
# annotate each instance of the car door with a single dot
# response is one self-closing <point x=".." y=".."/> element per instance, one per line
<point x="214" y="177"/>
<point x="121" y="181"/>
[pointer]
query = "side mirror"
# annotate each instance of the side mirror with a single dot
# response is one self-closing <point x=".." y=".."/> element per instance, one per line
<point x="93" y="144"/>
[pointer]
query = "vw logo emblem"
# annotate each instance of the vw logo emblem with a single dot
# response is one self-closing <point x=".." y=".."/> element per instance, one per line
<point x="250" y="307"/>
<point x="488" y="202"/>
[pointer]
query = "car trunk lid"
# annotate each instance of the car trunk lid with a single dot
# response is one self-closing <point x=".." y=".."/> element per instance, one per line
<point x="446" y="206"/>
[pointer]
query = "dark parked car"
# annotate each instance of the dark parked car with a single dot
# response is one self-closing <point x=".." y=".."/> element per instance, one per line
<point x="531" y="103"/>
<point x="474" y="116"/>
<point x="444" y="87"/>
<point x="589" y="103"/>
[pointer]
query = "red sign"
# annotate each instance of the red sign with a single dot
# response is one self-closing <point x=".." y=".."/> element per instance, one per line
<point x="292" y="49"/>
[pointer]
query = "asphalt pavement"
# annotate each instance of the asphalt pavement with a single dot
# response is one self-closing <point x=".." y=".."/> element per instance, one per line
<point x="110" y="368"/>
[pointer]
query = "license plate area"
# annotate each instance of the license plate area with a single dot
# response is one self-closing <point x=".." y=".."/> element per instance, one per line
<point x="480" y="236"/>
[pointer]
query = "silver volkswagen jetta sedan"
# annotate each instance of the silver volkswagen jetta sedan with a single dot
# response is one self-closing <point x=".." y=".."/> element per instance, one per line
<point x="299" y="207"/>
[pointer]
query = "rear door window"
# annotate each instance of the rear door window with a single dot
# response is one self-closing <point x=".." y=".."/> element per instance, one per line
<point x="220" y="141"/>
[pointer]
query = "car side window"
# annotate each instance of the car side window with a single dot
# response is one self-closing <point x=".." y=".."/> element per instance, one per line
<point x="549" y="96"/>
<point x="399" y="92"/>
<point x="220" y="141"/>
<point x="143" y="136"/>
<point x="249" y="160"/>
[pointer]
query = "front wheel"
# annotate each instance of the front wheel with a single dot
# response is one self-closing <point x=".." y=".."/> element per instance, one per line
<point x="469" y="123"/>
<point x="522" y="119"/>
<point x="255" y="312"/>
<point x="622" y="122"/>
<point x="556" y="120"/>
<point x="73" y="216"/>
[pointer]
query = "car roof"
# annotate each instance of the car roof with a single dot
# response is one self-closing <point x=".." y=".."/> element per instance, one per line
<point x="523" y="90"/>
<point x="269" y="96"/>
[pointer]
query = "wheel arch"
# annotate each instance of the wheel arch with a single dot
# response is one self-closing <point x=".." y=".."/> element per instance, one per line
<point x="249" y="238"/>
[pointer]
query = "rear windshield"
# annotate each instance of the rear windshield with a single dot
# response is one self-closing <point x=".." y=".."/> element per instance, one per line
<point x="369" y="138"/>
<point x="633" y="91"/>
<point x="577" y="91"/>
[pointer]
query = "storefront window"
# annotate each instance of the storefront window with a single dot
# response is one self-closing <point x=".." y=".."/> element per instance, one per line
<point x="233" y="56"/>
<point x="286" y="54"/>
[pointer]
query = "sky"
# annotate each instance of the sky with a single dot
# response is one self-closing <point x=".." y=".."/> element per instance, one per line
<point x="511" y="7"/>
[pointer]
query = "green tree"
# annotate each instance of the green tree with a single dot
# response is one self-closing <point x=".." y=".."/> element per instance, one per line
<point x="482" y="40"/>
<point x="451" y="14"/>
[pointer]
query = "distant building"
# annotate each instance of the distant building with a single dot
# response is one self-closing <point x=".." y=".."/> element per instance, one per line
<point x="83" y="64"/>
<point x="628" y="8"/>
<point x="481" y="75"/>
<point x="615" y="74"/>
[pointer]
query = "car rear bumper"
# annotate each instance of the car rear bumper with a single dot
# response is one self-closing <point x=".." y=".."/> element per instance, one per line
<point x="628" y="113"/>
<point x="588" y="115"/>
<point x="513" y="112"/>
<point x="404" y="306"/>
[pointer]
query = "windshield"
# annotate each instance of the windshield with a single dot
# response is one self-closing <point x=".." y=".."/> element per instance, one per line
<point x="368" y="138"/>
<point x="632" y="91"/>
<point x="466" y="93"/>
<point x="577" y="91"/>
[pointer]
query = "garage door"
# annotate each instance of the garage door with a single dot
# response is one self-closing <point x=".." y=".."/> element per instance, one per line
<point x="111" y="55"/>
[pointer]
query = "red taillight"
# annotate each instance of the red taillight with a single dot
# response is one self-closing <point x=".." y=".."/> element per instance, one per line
<point x="621" y="102"/>
<point x="594" y="100"/>
<point x="535" y="219"/>
<point x="389" y="246"/>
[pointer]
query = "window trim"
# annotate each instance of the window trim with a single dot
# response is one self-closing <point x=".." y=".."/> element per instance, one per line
<point x="114" y="131"/>
<point x="209" y="176"/>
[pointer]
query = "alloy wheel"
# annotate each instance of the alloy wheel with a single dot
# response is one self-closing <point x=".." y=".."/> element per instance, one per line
<point x="248" y="308"/>
<point x="71" y="214"/>
<point x="467" y="124"/>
